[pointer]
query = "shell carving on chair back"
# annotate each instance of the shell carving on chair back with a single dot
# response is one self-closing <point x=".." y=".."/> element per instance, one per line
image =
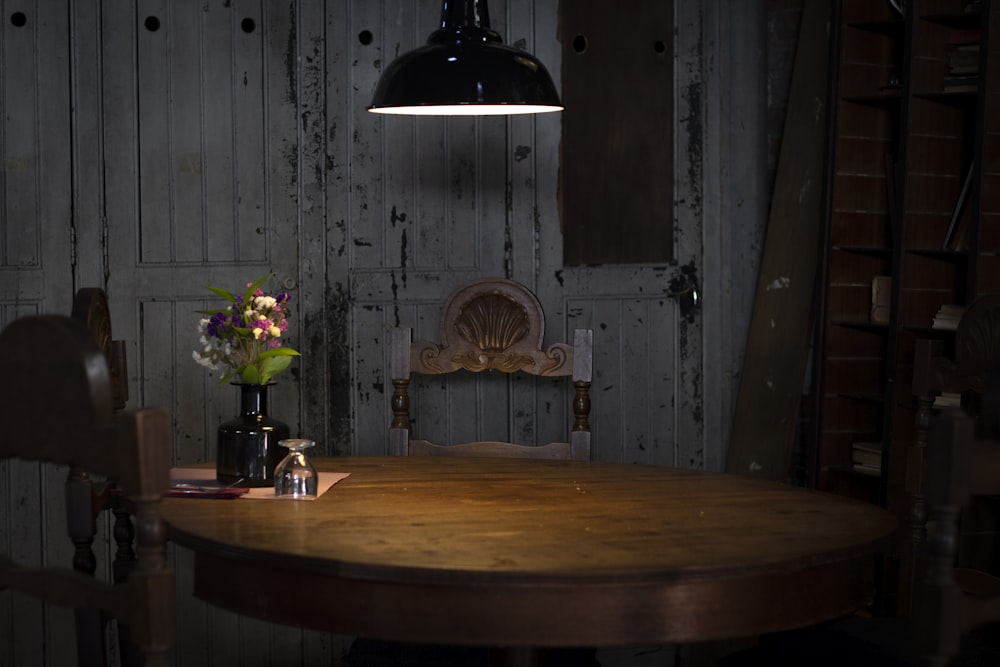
<point x="493" y="323"/>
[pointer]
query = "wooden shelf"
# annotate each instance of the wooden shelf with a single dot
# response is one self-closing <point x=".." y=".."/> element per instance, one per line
<point x="889" y="28"/>
<point x="894" y="216"/>
<point x="874" y="251"/>
<point x="962" y="21"/>
<point x="888" y="99"/>
<point x="861" y="324"/>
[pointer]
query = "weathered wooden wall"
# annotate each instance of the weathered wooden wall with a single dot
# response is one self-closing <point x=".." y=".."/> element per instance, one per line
<point x="156" y="147"/>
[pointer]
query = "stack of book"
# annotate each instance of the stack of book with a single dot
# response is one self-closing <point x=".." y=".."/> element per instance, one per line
<point x="963" y="61"/>
<point x="881" y="299"/>
<point x="947" y="317"/>
<point x="866" y="458"/>
<point x="948" y="399"/>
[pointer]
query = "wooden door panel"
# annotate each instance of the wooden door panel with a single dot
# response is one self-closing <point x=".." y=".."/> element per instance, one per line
<point x="36" y="276"/>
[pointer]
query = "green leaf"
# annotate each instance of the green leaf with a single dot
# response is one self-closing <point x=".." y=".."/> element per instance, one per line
<point x="225" y="294"/>
<point x="250" y="375"/>
<point x="278" y="352"/>
<point x="254" y="285"/>
<point x="273" y="365"/>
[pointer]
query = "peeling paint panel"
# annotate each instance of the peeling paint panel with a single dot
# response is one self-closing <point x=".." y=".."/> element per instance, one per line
<point x="635" y="351"/>
<point x="371" y="389"/>
<point x="182" y="169"/>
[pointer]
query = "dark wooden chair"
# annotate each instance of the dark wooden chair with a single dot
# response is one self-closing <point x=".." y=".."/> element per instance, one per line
<point x="960" y="371"/>
<point x="953" y="602"/>
<point x="57" y="406"/>
<point x="87" y="500"/>
<point x="492" y="325"/>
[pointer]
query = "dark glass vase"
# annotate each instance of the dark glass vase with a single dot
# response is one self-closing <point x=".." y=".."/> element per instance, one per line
<point x="248" y="449"/>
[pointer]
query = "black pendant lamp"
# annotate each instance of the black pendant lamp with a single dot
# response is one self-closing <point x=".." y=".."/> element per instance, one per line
<point x="465" y="69"/>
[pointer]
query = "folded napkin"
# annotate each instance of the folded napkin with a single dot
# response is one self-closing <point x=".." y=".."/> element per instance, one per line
<point x="200" y="483"/>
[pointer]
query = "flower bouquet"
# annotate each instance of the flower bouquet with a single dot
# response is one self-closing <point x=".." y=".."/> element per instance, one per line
<point x="244" y="338"/>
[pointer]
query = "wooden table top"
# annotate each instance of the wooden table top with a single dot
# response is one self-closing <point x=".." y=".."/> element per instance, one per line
<point x="541" y="553"/>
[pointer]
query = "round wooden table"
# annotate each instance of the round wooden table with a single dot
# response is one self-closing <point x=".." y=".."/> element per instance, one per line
<point x="519" y="553"/>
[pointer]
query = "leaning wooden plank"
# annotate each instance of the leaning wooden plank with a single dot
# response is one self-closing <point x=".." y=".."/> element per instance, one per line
<point x="774" y="368"/>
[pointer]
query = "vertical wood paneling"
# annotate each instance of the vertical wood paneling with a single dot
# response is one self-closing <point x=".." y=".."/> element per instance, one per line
<point x="319" y="319"/>
<point x="372" y="387"/>
<point x="183" y="164"/>
<point x="191" y="391"/>
<point x="429" y="236"/>
<point x="19" y="141"/>
<point x="473" y="196"/>
<point x="88" y="181"/>
<point x="610" y="407"/>
<point x="152" y="60"/>
<point x="219" y="151"/>
<point x="25" y="618"/>
<point x="36" y="180"/>
<point x="21" y="620"/>
<point x="246" y="142"/>
<point x="36" y="268"/>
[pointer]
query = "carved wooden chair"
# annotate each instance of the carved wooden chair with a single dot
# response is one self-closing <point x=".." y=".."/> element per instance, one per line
<point x="57" y="406"/>
<point x="492" y="325"/>
<point x="936" y="371"/>
<point x="87" y="500"/>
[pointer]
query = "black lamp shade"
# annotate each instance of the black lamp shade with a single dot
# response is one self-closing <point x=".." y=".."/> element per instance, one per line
<point x="465" y="70"/>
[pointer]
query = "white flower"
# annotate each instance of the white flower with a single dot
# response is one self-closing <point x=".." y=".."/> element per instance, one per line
<point x="264" y="303"/>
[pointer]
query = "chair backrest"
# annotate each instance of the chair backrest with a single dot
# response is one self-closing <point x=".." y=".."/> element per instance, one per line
<point x="57" y="406"/>
<point x="87" y="499"/>
<point x="960" y="372"/>
<point x="90" y="306"/>
<point x="492" y="325"/>
<point x="951" y="601"/>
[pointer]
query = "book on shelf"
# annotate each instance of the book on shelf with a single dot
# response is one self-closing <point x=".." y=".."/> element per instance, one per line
<point x="872" y="471"/>
<point x="958" y="226"/>
<point x="869" y="453"/>
<point x="866" y="457"/>
<point x="963" y="83"/>
<point x="948" y="316"/>
<point x="881" y="299"/>
<point x="963" y="59"/>
<point x="948" y="399"/>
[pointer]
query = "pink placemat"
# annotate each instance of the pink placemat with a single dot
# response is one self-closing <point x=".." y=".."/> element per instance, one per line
<point x="200" y="483"/>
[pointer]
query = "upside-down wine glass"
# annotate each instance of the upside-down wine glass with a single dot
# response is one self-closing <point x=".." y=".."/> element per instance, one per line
<point x="295" y="476"/>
